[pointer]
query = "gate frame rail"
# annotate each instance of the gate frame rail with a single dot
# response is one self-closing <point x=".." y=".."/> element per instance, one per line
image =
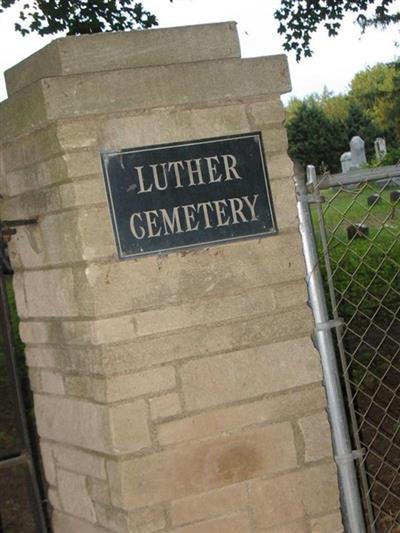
<point x="344" y="455"/>
<point x="24" y="456"/>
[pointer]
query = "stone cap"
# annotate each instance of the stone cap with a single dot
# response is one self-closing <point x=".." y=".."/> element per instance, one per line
<point x="138" y="89"/>
<point x="120" y="50"/>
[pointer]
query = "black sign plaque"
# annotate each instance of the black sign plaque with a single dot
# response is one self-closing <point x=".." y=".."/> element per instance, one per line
<point x="178" y="196"/>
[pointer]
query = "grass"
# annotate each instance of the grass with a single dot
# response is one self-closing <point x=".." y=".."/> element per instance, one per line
<point x="366" y="272"/>
<point x="8" y="435"/>
<point x="18" y="344"/>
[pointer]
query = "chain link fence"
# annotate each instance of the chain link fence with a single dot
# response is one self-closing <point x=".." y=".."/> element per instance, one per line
<point x="356" y="218"/>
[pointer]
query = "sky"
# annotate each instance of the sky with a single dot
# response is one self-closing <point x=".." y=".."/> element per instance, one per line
<point x="333" y="65"/>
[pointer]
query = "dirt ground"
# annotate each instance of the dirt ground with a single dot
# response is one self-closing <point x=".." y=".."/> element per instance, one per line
<point x="15" y="506"/>
<point x="375" y="375"/>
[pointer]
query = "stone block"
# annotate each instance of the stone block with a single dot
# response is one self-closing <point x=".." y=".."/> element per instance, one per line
<point x="43" y="356"/>
<point x="146" y="88"/>
<point x="249" y="373"/>
<point x="230" y="419"/>
<point x="49" y="466"/>
<point x="30" y="205"/>
<point x="50" y="293"/>
<point x="27" y="249"/>
<point x="52" y="382"/>
<point x="119" y="429"/>
<point x="238" y="523"/>
<point x="295" y="496"/>
<point x="266" y="112"/>
<point x="133" y="385"/>
<point x="197" y="467"/>
<point x="24" y="112"/>
<point x="87" y="464"/>
<point x="125" y="50"/>
<point x="208" y="505"/>
<point x="331" y="523"/>
<point x="275" y="140"/>
<point x="54" y="499"/>
<point x="284" y="199"/>
<point x="95" y="232"/>
<point x="223" y="271"/>
<point x="86" y="387"/>
<point x="39" y="333"/>
<point x="160" y="126"/>
<point x="29" y="149"/>
<point x="77" y="134"/>
<point x="36" y="175"/>
<point x="82" y="193"/>
<point x="317" y="436"/>
<point x="208" y="311"/>
<point x="165" y="406"/>
<point x="60" y="238"/>
<point x="279" y="166"/>
<point x="82" y="163"/>
<point x="64" y="523"/>
<point x="147" y="520"/>
<point x="74" y="496"/>
<point x="99" y="491"/>
<point x="127" y="386"/>
<point x="129" y="427"/>
<point x="64" y="237"/>
<point x="78" y="356"/>
<point x="289" y="295"/>
<point x="292" y="527"/>
<point x="20" y="296"/>
<point x="111" y="518"/>
<point x="73" y="422"/>
<point x="35" y="380"/>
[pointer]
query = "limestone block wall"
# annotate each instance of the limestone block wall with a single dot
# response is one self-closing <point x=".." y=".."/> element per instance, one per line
<point x="177" y="393"/>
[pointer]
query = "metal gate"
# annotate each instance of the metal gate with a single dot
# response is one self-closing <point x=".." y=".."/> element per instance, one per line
<point x="21" y="501"/>
<point x="356" y="219"/>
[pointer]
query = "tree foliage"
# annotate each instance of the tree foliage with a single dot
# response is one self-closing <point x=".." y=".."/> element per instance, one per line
<point x="377" y="89"/>
<point x="79" y="17"/>
<point x="299" y="19"/>
<point x="314" y="137"/>
<point x="321" y="126"/>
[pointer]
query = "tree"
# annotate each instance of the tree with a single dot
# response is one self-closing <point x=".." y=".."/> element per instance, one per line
<point x="359" y="123"/>
<point x="377" y="91"/>
<point x="80" y="16"/>
<point x="299" y="19"/>
<point x="314" y="138"/>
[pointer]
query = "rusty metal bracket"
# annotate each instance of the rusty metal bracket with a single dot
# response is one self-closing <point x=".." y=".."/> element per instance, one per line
<point x="19" y="222"/>
<point x="8" y="228"/>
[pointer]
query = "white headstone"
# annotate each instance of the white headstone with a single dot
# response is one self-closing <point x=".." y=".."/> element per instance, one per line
<point x="380" y="148"/>
<point x="345" y="161"/>
<point x="357" y="148"/>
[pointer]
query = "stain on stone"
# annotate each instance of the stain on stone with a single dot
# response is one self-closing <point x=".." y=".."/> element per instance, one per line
<point x="238" y="463"/>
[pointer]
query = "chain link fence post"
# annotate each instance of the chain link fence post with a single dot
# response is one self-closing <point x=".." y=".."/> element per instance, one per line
<point x="344" y="455"/>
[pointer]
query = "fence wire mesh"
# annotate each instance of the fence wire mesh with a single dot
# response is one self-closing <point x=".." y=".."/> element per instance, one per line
<point x="357" y="230"/>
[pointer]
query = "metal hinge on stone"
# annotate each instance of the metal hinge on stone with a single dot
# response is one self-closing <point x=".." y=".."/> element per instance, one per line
<point x="311" y="198"/>
<point x="8" y="228"/>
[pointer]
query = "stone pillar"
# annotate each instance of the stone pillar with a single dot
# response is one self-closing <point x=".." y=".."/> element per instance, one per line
<point x="176" y="393"/>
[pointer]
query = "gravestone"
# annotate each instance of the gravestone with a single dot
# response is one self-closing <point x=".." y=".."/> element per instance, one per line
<point x="357" y="231"/>
<point x="345" y="162"/>
<point x="373" y="199"/>
<point x="357" y="149"/>
<point x="161" y="292"/>
<point x="395" y="196"/>
<point x="380" y="148"/>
